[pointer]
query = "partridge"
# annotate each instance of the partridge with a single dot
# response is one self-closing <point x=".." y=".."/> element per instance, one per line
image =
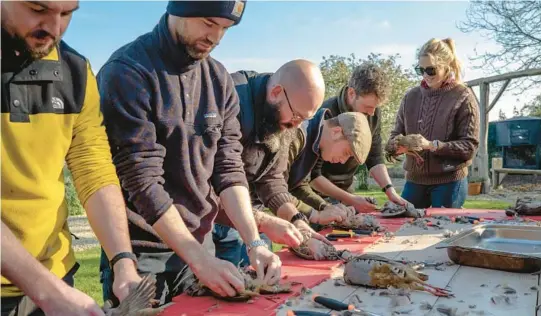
<point x="252" y="287"/>
<point x="379" y="272"/>
<point x="412" y="143"/>
<point x="314" y="249"/>
<point x="138" y="302"/>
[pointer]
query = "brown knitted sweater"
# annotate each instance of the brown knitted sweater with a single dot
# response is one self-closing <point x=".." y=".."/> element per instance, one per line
<point x="449" y="115"/>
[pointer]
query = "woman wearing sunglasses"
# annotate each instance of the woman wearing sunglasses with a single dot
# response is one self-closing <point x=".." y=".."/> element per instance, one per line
<point x="445" y="112"/>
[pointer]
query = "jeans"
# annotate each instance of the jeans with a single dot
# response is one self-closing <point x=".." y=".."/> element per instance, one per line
<point x="448" y="195"/>
<point x="230" y="247"/>
<point x="24" y="306"/>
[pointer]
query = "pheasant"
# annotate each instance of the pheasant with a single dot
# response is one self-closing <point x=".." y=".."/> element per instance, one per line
<point x="391" y="209"/>
<point x="412" y="143"/>
<point x="138" y="302"/>
<point x="360" y="221"/>
<point x="252" y="288"/>
<point x="379" y="272"/>
<point x="314" y="249"/>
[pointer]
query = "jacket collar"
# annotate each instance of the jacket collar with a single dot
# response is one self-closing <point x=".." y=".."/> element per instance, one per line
<point x="47" y="68"/>
<point x="174" y="54"/>
<point x="343" y="107"/>
<point x="313" y="129"/>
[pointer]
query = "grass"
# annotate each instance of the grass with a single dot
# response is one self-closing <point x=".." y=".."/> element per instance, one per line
<point x="87" y="278"/>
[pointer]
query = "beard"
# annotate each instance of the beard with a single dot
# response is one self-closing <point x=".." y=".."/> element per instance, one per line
<point x="270" y="132"/>
<point x="194" y="51"/>
<point x="21" y="45"/>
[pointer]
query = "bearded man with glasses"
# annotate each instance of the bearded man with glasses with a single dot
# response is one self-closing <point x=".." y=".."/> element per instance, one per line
<point x="272" y="106"/>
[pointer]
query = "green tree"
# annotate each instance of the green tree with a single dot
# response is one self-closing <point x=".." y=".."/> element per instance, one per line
<point x="533" y="108"/>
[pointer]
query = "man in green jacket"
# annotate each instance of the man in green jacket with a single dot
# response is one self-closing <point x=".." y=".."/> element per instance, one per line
<point x="367" y="89"/>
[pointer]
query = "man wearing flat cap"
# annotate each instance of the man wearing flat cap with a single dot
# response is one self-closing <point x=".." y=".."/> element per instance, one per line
<point x="171" y="116"/>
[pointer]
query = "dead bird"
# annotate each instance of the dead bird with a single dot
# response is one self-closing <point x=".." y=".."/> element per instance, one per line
<point x="360" y="221"/>
<point x="314" y="249"/>
<point x="413" y="144"/>
<point x="379" y="272"/>
<point x="138" y="302"/>
<point x="252" y="287"/>
<point x="391" y="209"/>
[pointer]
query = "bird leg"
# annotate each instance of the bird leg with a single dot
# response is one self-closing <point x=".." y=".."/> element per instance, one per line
<point x="423" y="286"/>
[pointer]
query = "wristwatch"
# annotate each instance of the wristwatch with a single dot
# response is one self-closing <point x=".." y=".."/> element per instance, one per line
<point x="299" y="216"/>
<point x="256" y="243"/>
<point x="122" y="255"/>
<point x="385" y="188"/>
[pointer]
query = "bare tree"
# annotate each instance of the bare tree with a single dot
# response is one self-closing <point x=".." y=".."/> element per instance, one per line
<point x="516" y="27"/>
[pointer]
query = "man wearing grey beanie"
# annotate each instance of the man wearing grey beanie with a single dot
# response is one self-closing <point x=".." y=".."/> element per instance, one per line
<point x="171" y="116"/>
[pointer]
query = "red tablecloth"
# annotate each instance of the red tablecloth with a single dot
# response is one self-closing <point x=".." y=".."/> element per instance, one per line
<point x="309" y="273"/>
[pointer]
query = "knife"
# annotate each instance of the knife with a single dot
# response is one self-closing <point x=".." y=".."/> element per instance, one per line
<point x="340" y="306"/>
<point x="305" y="313"/>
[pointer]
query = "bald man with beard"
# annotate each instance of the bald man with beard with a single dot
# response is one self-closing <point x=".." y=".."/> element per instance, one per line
<point x="272" y="106"/>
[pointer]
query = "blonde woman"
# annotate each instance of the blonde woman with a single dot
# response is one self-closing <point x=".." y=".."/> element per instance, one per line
<point x="445" y="112"/>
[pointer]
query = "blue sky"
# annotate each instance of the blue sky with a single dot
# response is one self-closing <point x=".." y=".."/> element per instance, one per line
<point x="273" y="32"/>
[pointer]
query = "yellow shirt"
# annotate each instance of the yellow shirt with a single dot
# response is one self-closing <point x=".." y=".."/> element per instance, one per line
<point x="51" y="114"/>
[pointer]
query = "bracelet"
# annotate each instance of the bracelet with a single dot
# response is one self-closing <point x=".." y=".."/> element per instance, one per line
<point x="122" y="255"/>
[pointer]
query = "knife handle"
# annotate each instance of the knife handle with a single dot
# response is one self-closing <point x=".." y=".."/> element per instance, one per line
<point x="305" y="313"/>
<point x="333" y="304"/>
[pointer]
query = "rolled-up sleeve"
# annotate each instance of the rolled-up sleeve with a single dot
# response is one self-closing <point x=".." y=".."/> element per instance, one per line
<point x="89" y="156"/>
<point x="228" y="166"/>
<point x="126" y="98"/>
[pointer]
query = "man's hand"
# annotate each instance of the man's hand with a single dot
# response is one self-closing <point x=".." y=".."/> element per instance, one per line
<point x="71" y="302"/>
<point x="362" y="205"/>
<point x="218" y="275"/>
<point x="395" y="198"/>
<point x="329" y="214"/>
<point x="126" y="278"/>
<point x="267" y="265"/>
<point x="303" y="227"/>
<point x="279" y="230"/>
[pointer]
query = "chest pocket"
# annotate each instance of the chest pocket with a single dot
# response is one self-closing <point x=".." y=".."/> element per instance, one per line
<point x="203" y="142"/>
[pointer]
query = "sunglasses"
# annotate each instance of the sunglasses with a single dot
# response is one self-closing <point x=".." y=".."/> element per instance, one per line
<point x="431" y="71"/>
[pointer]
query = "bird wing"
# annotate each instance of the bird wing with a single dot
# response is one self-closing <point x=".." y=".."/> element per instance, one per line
<point x="139" y="298"/>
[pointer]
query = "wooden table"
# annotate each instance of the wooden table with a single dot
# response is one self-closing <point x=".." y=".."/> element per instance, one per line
<point x="471" y="286"/>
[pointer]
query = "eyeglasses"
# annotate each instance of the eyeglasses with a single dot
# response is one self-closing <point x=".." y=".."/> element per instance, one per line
<point x="431" y="71"/>
<point x="296" y="116"/>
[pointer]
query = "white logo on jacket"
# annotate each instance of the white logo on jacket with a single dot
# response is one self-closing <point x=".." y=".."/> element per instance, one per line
<point x="58" y="104"/>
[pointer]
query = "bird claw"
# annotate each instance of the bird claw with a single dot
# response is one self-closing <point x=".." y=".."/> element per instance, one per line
<point x="438" y="291"/>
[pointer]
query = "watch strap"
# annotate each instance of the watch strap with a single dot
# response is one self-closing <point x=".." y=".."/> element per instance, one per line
<point x="299" y="216"/>
<point x="385" y="188"/>
<point x="122" y="255"/>
<point x="256" y="243"/>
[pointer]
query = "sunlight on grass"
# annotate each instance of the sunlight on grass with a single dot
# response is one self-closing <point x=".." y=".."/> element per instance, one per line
<point x="87" y="278"/>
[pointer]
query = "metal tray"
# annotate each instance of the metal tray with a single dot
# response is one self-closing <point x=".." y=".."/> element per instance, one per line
<point x="510" y="248"/>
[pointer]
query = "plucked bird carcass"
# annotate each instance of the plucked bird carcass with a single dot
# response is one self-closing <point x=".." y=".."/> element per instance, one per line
<point x="379" y="272"/>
